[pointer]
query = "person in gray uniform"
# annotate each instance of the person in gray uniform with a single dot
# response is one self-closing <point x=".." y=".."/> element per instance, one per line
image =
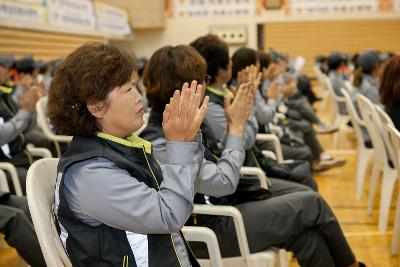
<point x="367" y="75"/>
<point x="336" y="60"/>
<point x="114" y="204"/>
<point x="294" y="218"/>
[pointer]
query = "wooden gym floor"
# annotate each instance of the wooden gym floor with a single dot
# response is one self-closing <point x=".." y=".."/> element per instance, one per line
<point x="338" y="188"/>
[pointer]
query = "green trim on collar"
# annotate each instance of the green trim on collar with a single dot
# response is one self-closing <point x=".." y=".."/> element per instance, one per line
<point x="218" y="92"/>
<point x="5" y="89"/>
<point x="131" y="141"/>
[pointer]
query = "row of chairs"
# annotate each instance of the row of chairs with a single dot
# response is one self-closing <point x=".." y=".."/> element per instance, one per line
<point x="40" y="192"/>
<point x="385" y="140"/>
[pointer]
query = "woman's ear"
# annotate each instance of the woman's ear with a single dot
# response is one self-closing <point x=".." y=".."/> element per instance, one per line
<point x="96" y="108"/>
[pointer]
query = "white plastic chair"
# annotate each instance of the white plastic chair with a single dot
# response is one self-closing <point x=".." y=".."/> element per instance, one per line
<point x="8" y="167"/>
<point x="42" y="120"/>
<point x="277" y="145"/>
<point x="394" y="137"/>
<point x="3" y="182"/>
<point x="205" y="235"/>
<point x="267" y="258"/>
<point x="381" y="162"/>
<point x="41" y="179"/>
<point x="339" y="120"/>
<point x="363" y="152"/>
<point x="322" y="86"/>
<point x="40" y="152"/>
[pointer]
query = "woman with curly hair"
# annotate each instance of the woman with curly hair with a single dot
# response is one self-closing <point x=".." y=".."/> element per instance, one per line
<point x="114" y="205"/>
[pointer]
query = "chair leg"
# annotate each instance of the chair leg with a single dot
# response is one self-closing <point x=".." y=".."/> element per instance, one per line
<point x="396" y="228"/>
<point x="388" y="182"/>
<point x="373" y="183"/>
<point x="362" y="164"/>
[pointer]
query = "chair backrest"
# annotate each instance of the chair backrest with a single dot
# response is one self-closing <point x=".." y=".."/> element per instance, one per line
<point x="3" y="182"/>
<point x="42" y="119"/>
<point x="372" y="123"/>
<point x="41" y="180"/>
<point x="384" y="120"/>
<point x="394" y="136"/>
<point x="326" y="82"/>
<point x="356" y="121"/>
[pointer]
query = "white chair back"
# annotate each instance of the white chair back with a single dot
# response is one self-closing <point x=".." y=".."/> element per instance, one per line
<point x="356" y="120"/>
<point x="372" y="123"/>
<point x="3" y="182"/>
<point x="42" y="120"/>
<point x="384" y="120"/>
<point x="41" y="179"/>
<point x="394" y="137"/>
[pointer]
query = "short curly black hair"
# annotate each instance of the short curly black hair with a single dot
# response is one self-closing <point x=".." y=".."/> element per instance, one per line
<point x="89" y="73"/>
<point x="215" y="51"/>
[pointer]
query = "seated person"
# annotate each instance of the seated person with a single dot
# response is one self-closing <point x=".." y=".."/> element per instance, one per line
<point x="336" y="61"/>
<point x="220" y="71"/>
<point x="315" y="241"/>
<point x="16" y="225"/>
<point x="13" y="122"/>
<point x="390" y="90"/>
<point x="367" y="75"/>
<point x="114" y="204"/>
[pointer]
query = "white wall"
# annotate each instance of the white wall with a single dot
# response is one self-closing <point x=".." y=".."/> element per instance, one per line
<point x="183" y="31"/>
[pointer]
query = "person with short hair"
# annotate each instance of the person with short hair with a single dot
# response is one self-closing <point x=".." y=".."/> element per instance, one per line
<point x="367" y="75"/>
<point x="298" y="220"/>
<point x="114" y="204"/>
<point x="336" y="61"/>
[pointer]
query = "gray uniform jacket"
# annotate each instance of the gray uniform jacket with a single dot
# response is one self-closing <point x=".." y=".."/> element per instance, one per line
<point x="369" y="88"/>
<point x="14" y="127"/>
<point x="111" y="196"/>
<point x="264" y="112"/>
<point x="216" y="119"/>
<point x="217" y="180"/>
<point x="338" y="82"/>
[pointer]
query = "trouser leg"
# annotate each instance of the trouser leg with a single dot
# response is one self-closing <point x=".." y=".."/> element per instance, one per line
<point x="311" y="249"/>
<point x="279" y="221"/>
<point x="311" y="140"/>
<point x="282" y="187"/>
<point x="305" y="109"/>
<point x="309" y="136"/>
<point x="20" y="234"/>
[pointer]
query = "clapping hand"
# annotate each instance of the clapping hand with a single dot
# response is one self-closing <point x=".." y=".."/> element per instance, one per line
<point x="183" y="115"/>
<point x="238" y="112"/>
<point x="28" y="100"/>
<point x="251" y="75"/>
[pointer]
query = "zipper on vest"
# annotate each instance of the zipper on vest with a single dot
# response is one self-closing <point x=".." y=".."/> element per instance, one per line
<point x="125" y="262"/>
<point x="158" y="186"/>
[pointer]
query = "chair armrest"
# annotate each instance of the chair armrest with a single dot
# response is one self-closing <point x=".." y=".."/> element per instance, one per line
<point x="14" y="176"/>
<point x="275" y="140"/>
<point x="280" y="116"/>
<point x="39" y="151"/>
<point x="233" y="212"/>
<point x="205" y="235"/>
<point x="258" y="172"/>
<point x="269" y="154"/>
<point x="3" y="182"/>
